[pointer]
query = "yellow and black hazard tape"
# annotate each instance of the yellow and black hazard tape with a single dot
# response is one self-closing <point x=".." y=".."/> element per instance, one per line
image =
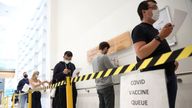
<point x="51" y="86"/>
<point x="150" y="62"/>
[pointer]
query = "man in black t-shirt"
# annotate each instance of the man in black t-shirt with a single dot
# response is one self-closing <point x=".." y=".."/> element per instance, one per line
<point x="149" y="42"/>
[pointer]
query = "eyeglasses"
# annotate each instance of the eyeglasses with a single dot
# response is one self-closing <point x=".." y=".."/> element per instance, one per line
<point x="153" y="7"/>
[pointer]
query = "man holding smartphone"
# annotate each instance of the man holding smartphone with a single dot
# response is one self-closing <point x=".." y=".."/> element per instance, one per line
<point x="62" y="69"/>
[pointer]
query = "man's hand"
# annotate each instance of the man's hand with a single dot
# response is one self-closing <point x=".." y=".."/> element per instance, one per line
<point x="115" y="62"/>
<point x="176" y="65"/>
<point x="77" y="73"/>
<point x="166" y="31"/>
<point x="66" y="71"/>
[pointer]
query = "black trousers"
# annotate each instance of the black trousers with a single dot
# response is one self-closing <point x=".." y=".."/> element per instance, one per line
<point x="172" y="90"/>
<point x="36" y="99"/>
<point x="59" y="101"/>
<point x="106" y="97"/>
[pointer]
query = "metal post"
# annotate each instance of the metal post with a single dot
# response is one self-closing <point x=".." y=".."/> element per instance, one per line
<point x="69" y="93"/>
<point x="30" y="99"/>
<point x="7" y="102"/>
<point x="3" y="101"/>
<point x="13" y="101"/>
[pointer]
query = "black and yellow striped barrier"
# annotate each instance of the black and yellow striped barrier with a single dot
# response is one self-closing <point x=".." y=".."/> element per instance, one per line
<point x="150" y="62"/>
<point x="51" y="86"/>
<point x="30" y="91"/>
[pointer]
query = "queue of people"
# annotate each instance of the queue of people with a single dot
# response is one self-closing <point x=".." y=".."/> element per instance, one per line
<point x="61" y="70"/>
<point x="25" y="84"/>
<point x="147" y="42"/>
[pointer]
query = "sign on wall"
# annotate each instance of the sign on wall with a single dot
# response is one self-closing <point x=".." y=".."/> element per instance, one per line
<point x="144" y="90"/>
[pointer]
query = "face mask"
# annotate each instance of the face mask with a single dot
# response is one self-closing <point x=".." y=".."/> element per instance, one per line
<point x="66" y="61"/>
<point x="25" y="76"/>
<point x="155" y="14"/>
<point x="37" y="76"/>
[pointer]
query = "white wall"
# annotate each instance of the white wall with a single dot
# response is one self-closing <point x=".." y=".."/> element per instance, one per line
<point x="81" y="25"/>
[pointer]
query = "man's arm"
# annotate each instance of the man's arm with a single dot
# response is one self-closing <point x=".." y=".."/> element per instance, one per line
<point x="108" y="64"/>
<point x="144" y="49"/>
<point x="58" y="74"/>
<point x="19" y="85"/>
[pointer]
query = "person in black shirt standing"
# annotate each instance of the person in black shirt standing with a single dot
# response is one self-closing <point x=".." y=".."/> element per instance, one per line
<point x="23" y="98"/>
<point x="61" y="70"/>
<point x="149" y="42"/>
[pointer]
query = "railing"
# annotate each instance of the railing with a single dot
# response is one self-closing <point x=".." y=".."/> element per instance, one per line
<point x="185" y="73"/>
<point x="87" y="89"/>
<point x="115" y="84"/>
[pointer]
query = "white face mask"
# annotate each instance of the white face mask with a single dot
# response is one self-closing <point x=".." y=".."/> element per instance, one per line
<point x="37" y="76"/>
<point x="66" y="61"/>
<point x="155" y="14"/>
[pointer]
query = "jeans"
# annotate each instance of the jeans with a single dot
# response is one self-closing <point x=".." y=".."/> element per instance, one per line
<point x="172" y="90"/>
<point x="106" y="97"/>
<point x="23" y="101"/>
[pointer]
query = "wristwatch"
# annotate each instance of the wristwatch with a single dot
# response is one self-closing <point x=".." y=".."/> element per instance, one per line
<point x="158" y="38"/>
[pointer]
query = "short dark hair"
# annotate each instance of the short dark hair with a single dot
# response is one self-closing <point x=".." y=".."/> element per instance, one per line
<point x="68" y="53"/>
<point x="144" y="6"/>
<point x="103" y="45"/>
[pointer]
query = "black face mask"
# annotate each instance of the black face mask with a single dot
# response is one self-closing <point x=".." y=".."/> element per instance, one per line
<point x="25" y="76"/>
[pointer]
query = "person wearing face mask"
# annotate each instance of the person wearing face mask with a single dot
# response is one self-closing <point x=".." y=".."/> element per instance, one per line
<point x="23" y="98"/>
<point x="36" y="95"/>
<point x="149" y="42"/>
<point x="61" y="70"/>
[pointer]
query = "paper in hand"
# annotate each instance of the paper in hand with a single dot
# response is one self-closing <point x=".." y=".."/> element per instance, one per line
<point x="75" y="72"/>
<point x="25" y="88"/>
<point x="179" y="17"/>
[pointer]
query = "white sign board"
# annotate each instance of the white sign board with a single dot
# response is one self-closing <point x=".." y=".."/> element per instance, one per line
<point x="144" y="90"/>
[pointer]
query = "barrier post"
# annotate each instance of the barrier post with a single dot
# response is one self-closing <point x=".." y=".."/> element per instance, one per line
<point x="3" y="102"/>
<point x="7" y="102"/>
<point x="13" y="101"/>
<point x="30" y="99"/>
<point x="69" y="93"/>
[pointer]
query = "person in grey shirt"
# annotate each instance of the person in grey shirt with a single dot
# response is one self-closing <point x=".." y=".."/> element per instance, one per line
<point x="104" y="86"/>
